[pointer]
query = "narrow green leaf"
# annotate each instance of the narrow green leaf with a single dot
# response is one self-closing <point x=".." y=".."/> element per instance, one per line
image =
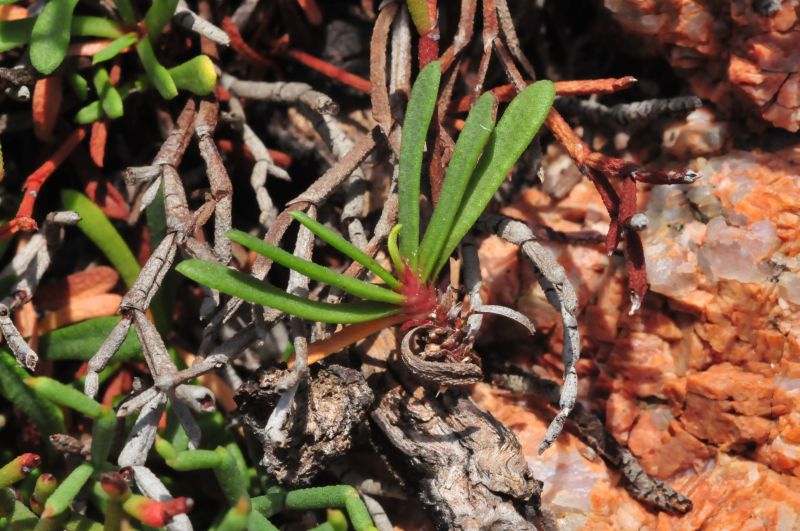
<point x="258" y="522"/>
<point x="79" y="85"/>
<point x="354" y="286"/>
<point x="477" y="130"/>
<point x="156" y="73"/>
<point x="165" y="298"/>
<point x="194" y="460"/>
<point x="412" y="146"/>
<point x="158" y="16"/>
<point x="95" y="27"/>
<point x="197" y="75"/>
<point x="65" y="493"/>
<point x="18" y="516"/>
<point x="50" y="35"/>
<point x="44" y="487"/>
<point x="394" y="250"/>
<point x="237" y="517"/>
<point x="515" y="130"/>
<point x="105" y="426"/>
<point x="90" y="113"/>
<point x="65" y="395"/>
<point x="125" y="10"/>
<point x="164" y="448"/>
<point x="110" y="99"/>
<point x="99" y="229"/>
<point x="114" y="48"/>
<point x="241" y="463"/>
<point x="15" y="33"/>
<point x="81" y="340"/>
<point x="346" y="248"/>
<point x="78" y="522"/>
<point x="271" y="503"/>
<point x="44" y="414"/>
<point x="229" y="478"/>
<point x="238" y="284"/>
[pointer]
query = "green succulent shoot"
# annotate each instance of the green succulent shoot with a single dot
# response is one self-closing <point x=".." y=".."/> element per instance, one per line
<point x="50" y="33"/>
<point x="484" y="154"/>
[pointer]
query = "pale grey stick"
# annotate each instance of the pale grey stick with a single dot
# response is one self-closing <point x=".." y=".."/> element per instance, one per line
<point x="560" y="294"/>
<point x="280" y="92"/>
<point x="134" y="404"/>
<point x="297" y="285"/>
<point x="221" y="188"/>
<point x="143" y="434"/>
<point x="471" y="270"/>
<point x="188" y="19"/>
<point x="29" y="266"/>
<point x="110" y="346"/>
<point x="264" y="167"/>
<point x="186" y="420"/>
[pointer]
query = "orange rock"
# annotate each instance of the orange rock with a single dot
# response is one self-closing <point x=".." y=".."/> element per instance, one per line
<point x="645" y="361"/>
<point x="622" y="411"/>
<point x="727" y="51"/>
<point x="709" y="420"/>
<point x="737" y="494"/>
<point x="747" y="393"/>
<point x="663" y="447"/>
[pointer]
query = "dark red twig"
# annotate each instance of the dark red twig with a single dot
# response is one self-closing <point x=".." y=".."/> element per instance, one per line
<point x="23" y="221"/>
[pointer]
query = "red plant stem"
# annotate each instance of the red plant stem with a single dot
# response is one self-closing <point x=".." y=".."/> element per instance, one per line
<point x="428" y="48"/>
<point x="312" y="12"/>
<point x="347" y="336"/>
<point x="563" y="88"/>
<point x="429" y="40"/>
<point x="241" y="47"/>
<point x="284" y="160"/>
<point x="333" y="72"/>
<point x="576" y="148"/>
<point x="635" y="266"/>
<point x="583" y="87"/>
<point x="23" y="220"/>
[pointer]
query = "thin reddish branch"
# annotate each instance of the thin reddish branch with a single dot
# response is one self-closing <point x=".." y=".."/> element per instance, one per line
<point x="241" y="47"/>
<point x="563" y="88"/>
<point x="576" y="148"/>
<point x="36" y="180"/>
<point x="466" y="27"/>
<point x="636" y="268"/>
<point x="284" y="160"/>
<point x="333" y="72"/>
<point x="311" y="11"/>
<point x="347" y="336"/>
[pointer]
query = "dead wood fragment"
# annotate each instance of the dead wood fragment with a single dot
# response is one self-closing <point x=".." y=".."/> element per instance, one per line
<point x="188" y="19"/>
<point x="377" y="68"/>
<point x="280" y="92"/>
<point x="464" y="465"/>
<point x="627" y="113"/>
<point x="320" y="424"/>
<point x="590" y="429"/>
<point x="430" y="364"/>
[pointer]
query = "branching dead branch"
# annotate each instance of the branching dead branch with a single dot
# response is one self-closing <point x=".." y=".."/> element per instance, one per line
<point x="560" y="294"/>
<point x="591" y="430"/>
